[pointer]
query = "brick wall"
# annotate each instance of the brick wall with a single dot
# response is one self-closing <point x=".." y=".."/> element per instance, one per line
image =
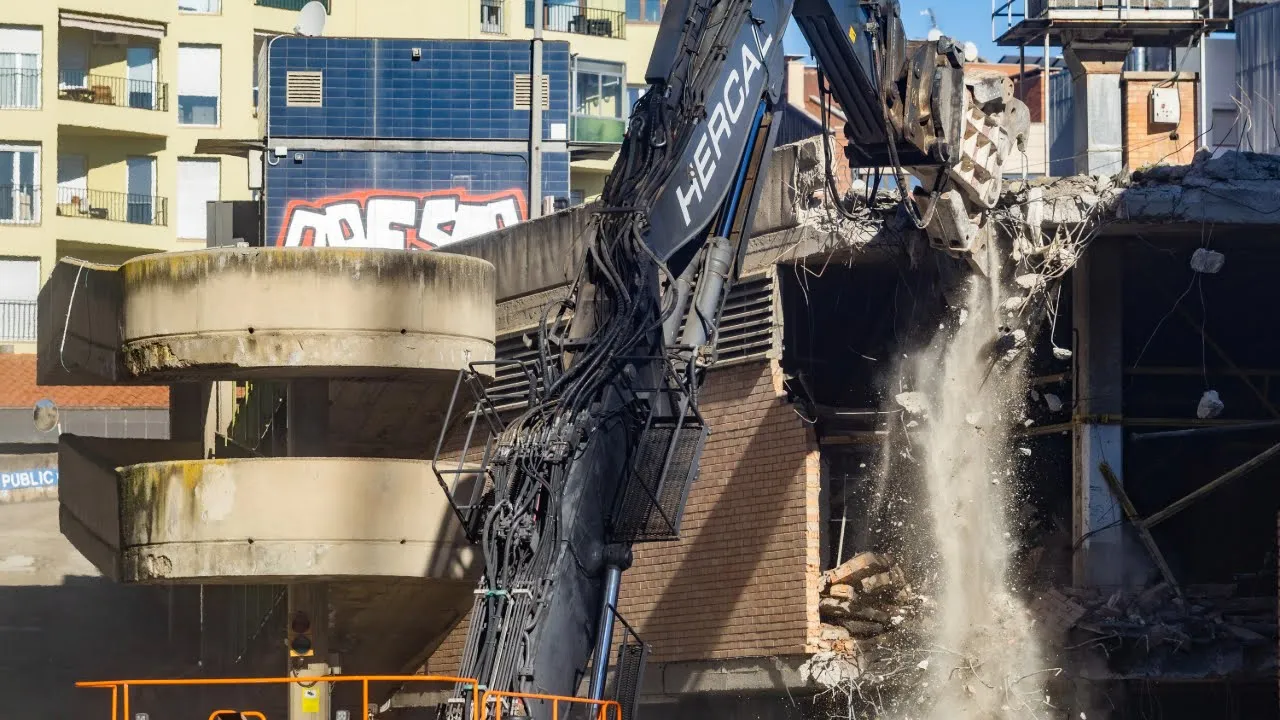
<point x="743" y="580"/>
<point x="1146" y="143"/>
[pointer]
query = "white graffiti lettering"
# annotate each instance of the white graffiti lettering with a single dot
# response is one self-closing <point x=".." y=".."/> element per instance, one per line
<point x="398" y="220"/>
<point x="730" y="106"/>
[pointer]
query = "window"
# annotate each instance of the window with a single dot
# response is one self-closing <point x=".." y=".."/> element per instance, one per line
<point x="634" y="93"/>
<point x="73" y="62"/>
<point x="141" y="185"/>
<point x="598" y="89"/>
<point x="20" y="50"/>
<point x="73" y="184"/>
<point x="200" y="6"/>
<point x="649" y="11"/>
<point x="199" y="84"/>
<point x="1226" y="127"/>
<point x="19" y="289"/>
<point x="19" y="184"/>
<point x="491" y="17"/>
<point x="198" y="184"/>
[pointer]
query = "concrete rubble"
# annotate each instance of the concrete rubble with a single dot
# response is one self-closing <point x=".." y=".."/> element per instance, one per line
<point x="1216" y="629"/>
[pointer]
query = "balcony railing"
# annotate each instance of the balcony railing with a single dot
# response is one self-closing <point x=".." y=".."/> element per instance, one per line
<point x="117" y="206"/>
<point x="19" y="88"/>
<point x="81" y="86"/>
<point x="289" y="4"/>
<point x="492" y="17"/>
<point x="17" y="320"/>
<point x="19" y="204"/>
<point x="597" y="129"/>
<point x="580" y="19"/>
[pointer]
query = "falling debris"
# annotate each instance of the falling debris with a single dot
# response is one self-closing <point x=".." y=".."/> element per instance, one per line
<point x="1207" y="261"/>
<point x="1030" y="281"/>
<point x="1053" y="401"/>
<point x="1061" y="353"/>
<point x="915" y="403"/>
<point x="1211" y="406"/>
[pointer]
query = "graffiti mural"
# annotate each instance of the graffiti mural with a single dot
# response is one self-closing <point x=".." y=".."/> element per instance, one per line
<point x="398" y="220"/>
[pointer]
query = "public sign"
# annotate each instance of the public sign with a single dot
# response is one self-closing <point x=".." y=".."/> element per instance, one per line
<point x="34" y="478"/>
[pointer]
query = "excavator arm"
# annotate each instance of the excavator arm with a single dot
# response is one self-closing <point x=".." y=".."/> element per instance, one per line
<point x="604" y="453"/>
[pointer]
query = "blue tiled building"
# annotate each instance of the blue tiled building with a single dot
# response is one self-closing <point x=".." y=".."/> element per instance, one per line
<point x="409" y="143"/>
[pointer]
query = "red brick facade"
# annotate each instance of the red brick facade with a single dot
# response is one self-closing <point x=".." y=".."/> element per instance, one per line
<point x="743" y="580"/>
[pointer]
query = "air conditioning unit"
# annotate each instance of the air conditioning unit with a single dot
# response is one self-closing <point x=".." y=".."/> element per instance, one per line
<point x="110" y="38"/>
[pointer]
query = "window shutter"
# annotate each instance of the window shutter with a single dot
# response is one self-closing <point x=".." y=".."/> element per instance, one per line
<point x="20" y="41"/>
<point x="304" y="88"/>
<point x="198" y="183"/>
<point x="200" y="70"/>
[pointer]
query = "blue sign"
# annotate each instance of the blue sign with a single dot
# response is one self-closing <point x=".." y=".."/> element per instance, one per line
<point x="35" y="478"/>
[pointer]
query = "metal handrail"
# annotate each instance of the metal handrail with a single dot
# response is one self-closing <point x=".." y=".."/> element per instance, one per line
<point x="18" y="320"/>
<point x="580" y="19"/>
<point x="120" y="689"/>
<point x="82" y="86"/>
<point x="115" y="206"/>
<point x="602" y="706"/>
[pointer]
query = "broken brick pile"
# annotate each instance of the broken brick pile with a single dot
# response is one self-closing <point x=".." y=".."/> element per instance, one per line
<point x="864" y="597"/>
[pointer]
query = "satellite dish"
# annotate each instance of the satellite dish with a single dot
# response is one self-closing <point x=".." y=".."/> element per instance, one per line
<point x="970" y="52"/>
<point x="935" y="35"/>
<point x="311" y="19"/>
<point x="46" y="415"/>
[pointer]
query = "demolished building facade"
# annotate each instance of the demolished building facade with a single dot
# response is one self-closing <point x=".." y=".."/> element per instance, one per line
<point x="789" y="595"/>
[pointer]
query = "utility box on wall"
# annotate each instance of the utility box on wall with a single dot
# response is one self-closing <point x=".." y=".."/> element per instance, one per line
<point x="1166" y="108"/>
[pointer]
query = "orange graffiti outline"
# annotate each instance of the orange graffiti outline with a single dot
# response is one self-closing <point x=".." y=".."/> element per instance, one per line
<point x="362" y="197"/>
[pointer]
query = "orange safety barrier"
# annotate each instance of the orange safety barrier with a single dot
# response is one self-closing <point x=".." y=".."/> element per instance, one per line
<point x="602" y="706"/>
<point x="120" y="688"/>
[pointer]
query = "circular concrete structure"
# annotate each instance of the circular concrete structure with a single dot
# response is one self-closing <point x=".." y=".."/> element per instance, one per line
<point x="285" y="520"/>
<point x="231" y="313"/>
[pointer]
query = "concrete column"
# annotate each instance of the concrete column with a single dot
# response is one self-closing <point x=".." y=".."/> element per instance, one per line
<point x="190" y="414"/>
<point x="310" y="702"/>
<point x="308" y="409"/>
<point x="1110" y="556"/>
<point x="1099" y="106"/>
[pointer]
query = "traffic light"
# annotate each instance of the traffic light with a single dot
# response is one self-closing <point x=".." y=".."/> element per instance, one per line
<point x="300" y="643"/>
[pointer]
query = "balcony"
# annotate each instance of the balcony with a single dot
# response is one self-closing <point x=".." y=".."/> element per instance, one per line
<point x="493" y="17"/>
<point x="1147" y="23"/>
<point x="579" y="19"/>
<point x="81" y="86"/>
<point x="17" y="320"/>
<point x="294" y="5"/>
<point x="597" y="129"/>
<point x="115" y="206"/>
<point x="19" y="89"/>
<point x="19" y="204"/>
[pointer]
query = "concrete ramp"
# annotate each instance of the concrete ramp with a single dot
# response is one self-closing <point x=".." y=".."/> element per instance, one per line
<point x="236" y="313"/>
<point x="255" y="520"/>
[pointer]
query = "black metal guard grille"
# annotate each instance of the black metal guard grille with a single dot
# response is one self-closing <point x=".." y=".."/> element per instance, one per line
<point x="651" y="504"/>
<point x="629" y="673"/>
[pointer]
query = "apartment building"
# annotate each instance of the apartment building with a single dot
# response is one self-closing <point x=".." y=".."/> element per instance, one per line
<point x="102" y="105"/>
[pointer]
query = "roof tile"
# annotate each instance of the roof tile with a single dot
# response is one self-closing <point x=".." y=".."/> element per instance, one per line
<point x="18" y="388"/>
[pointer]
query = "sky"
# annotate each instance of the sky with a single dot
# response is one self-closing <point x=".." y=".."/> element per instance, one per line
<point x="963" y="20"/>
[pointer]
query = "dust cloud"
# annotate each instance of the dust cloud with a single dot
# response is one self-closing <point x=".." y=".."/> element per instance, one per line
<point x="983" y="659"/>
